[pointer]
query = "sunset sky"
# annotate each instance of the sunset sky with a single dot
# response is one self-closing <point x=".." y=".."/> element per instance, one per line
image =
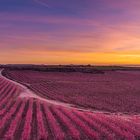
<point x="101" y="32"/>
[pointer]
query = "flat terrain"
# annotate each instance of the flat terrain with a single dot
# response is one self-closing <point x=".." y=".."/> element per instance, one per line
<point x="113" y="91"/>
<point x="43" y="113"/>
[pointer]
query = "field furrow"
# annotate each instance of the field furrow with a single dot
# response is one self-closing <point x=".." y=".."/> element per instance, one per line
<point x="35" y="118"/>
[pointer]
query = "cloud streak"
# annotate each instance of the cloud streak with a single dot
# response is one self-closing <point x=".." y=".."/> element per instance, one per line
<point x="43" y="3"/>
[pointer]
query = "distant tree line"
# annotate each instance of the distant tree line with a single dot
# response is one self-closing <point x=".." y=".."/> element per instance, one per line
<point x="67" y="68"/>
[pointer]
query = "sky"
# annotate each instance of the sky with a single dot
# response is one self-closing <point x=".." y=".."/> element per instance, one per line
<point x="101" y="32"/>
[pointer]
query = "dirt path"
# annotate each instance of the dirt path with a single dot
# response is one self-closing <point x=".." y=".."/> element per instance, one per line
<point x="27" y="93"/>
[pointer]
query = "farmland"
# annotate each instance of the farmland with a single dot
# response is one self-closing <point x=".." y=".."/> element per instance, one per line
<point x="101" y="106"/>
<point x="114" y="91"/>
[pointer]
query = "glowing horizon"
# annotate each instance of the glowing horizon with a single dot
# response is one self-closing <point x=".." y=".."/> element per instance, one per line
<point x="70" y="32"/>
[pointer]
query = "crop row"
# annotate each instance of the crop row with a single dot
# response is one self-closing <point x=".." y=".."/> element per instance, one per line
<point x="30" y="118"/>
<point x="113" y="92"/>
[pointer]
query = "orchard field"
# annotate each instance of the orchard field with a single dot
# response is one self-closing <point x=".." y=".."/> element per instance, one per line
<point x="94" y="106"/>
<point x="113" y="91"/>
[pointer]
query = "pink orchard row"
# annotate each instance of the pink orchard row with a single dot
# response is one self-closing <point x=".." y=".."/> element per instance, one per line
<point x="93" y="126"/>
<point x="61" y="122"/>
<point x="112" y="91"/>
